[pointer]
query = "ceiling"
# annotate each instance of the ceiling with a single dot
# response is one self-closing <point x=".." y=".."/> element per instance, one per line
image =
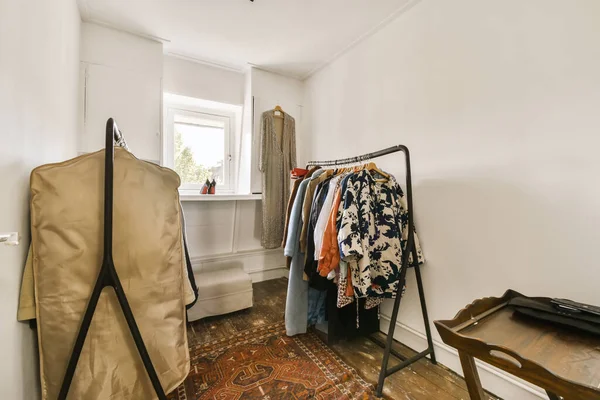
<point x="291" y="37"/>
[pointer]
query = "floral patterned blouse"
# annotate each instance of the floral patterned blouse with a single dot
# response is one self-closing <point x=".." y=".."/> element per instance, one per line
<point x="373" y="234"/>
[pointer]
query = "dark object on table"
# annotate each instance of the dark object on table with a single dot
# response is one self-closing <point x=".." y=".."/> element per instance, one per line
<point x="572" y="305"/>
<point x="562" y="361"/>
<point x="548" y="310"/>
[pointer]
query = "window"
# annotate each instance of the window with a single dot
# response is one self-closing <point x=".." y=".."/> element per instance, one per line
<point x="198" y="144"/>
<point x="200" y="148"/>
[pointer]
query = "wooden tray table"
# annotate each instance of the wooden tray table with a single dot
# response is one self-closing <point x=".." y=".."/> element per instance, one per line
<point x="563" y="361"/>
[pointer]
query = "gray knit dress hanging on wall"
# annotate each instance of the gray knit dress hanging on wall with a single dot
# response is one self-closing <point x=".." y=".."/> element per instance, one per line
<point x="277" y="159"/>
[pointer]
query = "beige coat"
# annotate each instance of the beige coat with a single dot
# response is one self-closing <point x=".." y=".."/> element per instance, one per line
<point x="277" y="159"/>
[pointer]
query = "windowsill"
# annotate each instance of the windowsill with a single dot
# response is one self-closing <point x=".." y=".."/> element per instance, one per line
<point x="219" y="197"/>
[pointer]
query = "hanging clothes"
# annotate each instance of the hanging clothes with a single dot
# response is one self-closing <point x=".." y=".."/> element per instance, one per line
<point x="277" y="159"/>
<point x="324" y="215"/>
<point x="291" y="200"/>
<point x="346" y="317"/>
<point x="343" y="320"/>
<point x="352" y="228"/>
<point x="318" y="286"/>
<point x="316" y="281"/>
<point x="317" y="304"/>
<point x="307" y="206"/>
<point x="329" y="256"/>
<point x="295" y="186"/>
<point x="373" y="234"/>
<point x="296" y="305"/>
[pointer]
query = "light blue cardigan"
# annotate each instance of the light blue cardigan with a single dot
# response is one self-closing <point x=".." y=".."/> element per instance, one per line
<point x="296" y="305"/>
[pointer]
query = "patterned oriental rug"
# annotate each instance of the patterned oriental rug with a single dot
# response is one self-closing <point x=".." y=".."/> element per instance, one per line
<point x="263" y="363"/>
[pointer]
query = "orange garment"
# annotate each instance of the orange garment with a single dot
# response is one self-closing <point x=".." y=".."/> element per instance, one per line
<point x="329" y="258"/>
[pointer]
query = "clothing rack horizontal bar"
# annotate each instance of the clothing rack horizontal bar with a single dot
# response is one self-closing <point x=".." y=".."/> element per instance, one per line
<point x="364" y="157"/>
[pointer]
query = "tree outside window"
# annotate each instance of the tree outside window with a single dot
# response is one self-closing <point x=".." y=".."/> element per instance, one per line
<point x="185" y="166"/>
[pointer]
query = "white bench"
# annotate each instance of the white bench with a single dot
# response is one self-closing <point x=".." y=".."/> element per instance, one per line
<point x="220" y="292"/>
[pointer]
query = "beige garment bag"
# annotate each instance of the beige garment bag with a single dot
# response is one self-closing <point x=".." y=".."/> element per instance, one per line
<point x="66" y="249"/>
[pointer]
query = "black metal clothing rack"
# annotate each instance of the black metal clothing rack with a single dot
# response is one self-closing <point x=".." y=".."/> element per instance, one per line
<point x="108" y="277"/>
<point x="410" y="248"/>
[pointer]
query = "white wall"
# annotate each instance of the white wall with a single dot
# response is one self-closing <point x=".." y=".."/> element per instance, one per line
<point x="246" y="142"/>
<point x="39" y="57"/>
<point x="498" y="102"/>
<point x="133" y="69"/>
<point x="268" y="90"/>
<point x="200" y="81"/>
<point x="121" y="77"/>
<point x="227" y="233"/>
<point x="218" y="232"/>
<point x="187" y="78"/>
<point x="106" y="46"/>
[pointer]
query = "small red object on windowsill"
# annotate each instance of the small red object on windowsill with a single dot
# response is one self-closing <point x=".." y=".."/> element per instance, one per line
<point x="205" y="187"/>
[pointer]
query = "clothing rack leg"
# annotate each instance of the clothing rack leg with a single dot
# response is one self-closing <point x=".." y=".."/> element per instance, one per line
<point x="384" y="372"/>
<point x="391" y="329"/>
<point x="424" y="310"/>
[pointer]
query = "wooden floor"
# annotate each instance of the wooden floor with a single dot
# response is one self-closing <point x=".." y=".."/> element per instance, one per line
<point x="422" y="380"/>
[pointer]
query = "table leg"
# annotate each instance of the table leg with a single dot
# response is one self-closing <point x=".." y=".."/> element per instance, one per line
<point x="552" y="396"/>
<point x="471" y="376"/>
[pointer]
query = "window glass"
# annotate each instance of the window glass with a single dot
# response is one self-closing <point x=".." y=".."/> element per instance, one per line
<point x="199" y="142"/>
<point x="199" y="149"/>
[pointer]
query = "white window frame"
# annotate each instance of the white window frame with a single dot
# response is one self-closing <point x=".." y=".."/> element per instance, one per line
<point x="227" y="117"/>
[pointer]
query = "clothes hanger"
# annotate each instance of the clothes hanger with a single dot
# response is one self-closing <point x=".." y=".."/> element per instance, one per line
<point x="278" y="112"/>
<point x="343" y="169"/>
<point x="348" y="168"/>
<point x="371" y="166"/>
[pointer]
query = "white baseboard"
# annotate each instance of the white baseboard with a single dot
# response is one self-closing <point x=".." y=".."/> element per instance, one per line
<point x="494" y="380"/>
<point x="261" y="264"/>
